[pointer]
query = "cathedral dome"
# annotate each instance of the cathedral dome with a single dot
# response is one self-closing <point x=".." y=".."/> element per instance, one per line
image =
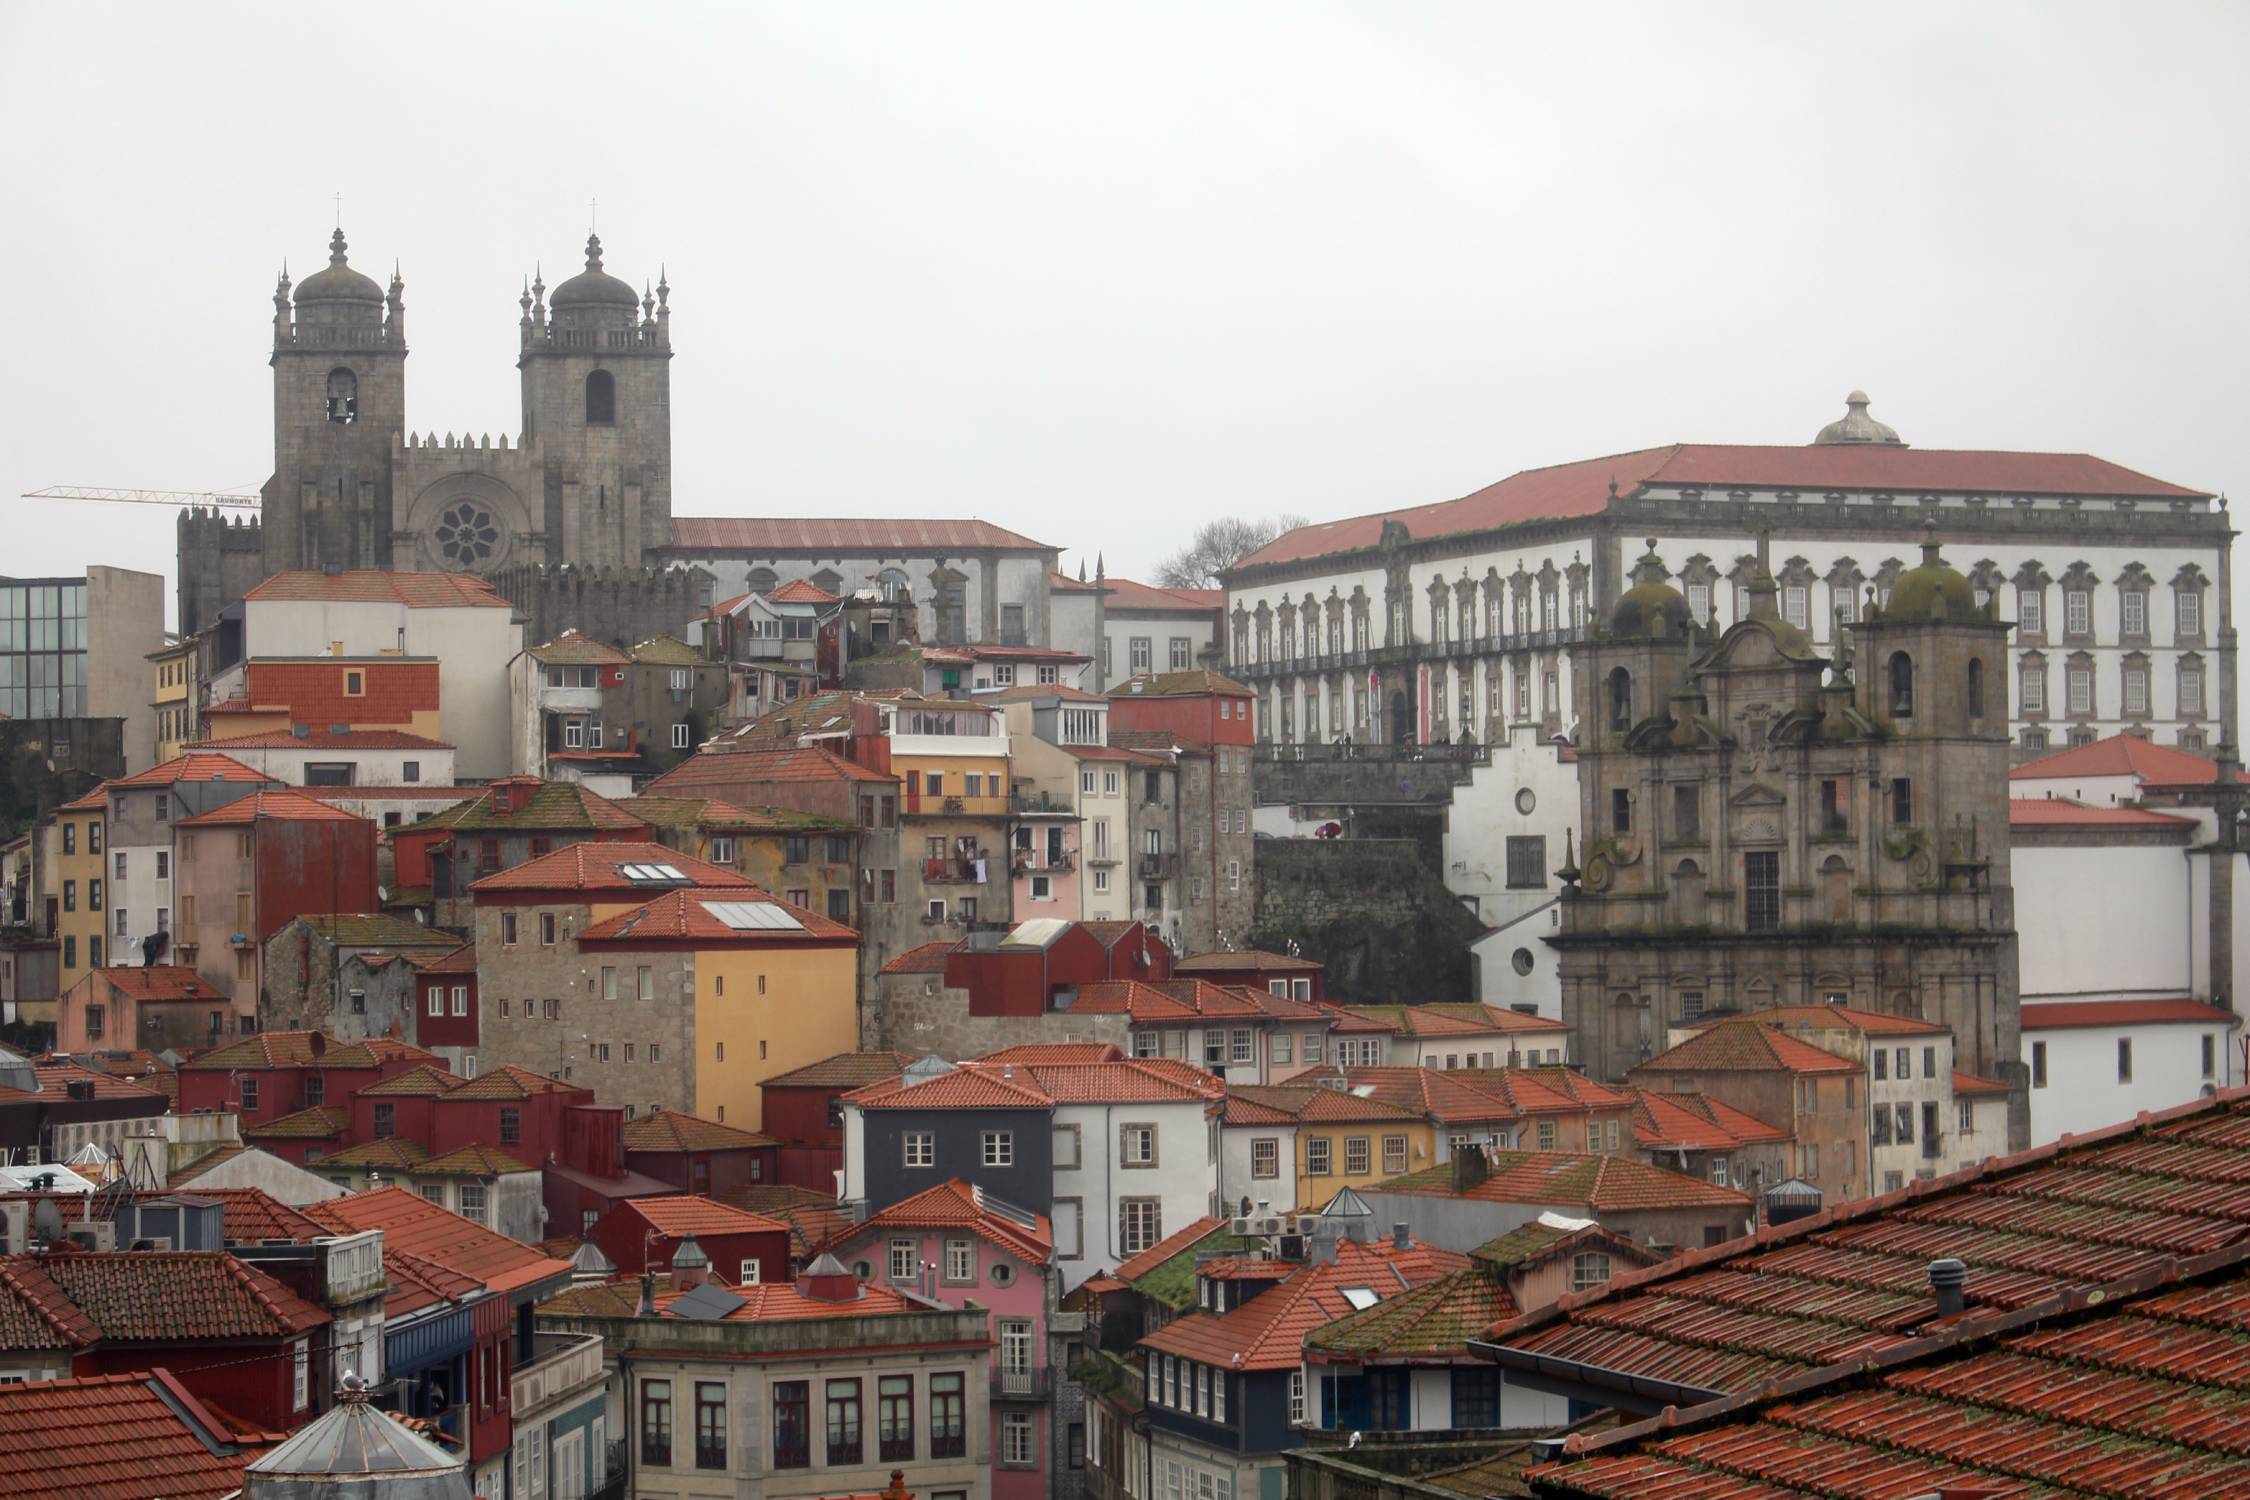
<point x="594" y="287"/>
<point x="1934" y="591"/>
<point x="1856" y="426"/>
<point x="1651" y="610"/>
<point x="339" y="283"/>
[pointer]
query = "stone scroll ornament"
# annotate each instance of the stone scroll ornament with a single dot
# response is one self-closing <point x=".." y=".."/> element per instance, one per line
<point x="1604" y="858"/>
<point x="1911" y="846"/>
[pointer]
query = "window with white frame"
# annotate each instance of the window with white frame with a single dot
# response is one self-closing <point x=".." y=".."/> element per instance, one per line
<point x="921" y="1148"/>
<point x="1265" y="1157"/>
<point x="1137" y="1145"/>
<point x="1297" y="1397"/>
<point x="1016" y="1447"/>
<point x="1140" y="1224"/>
<point x="960" y="1261"/>
<point x="999" y="1148"/>
<point x="902" y="1257"/>
<point x="748" y="1273"/>
<point x="1318" y="1160"/>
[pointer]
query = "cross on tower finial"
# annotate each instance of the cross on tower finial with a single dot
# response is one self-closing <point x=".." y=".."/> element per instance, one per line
<point x="593" y="215"/>
<point x="339" y="210"/>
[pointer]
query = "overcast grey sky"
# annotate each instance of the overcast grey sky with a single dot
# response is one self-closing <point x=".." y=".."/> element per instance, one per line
<point x="1096" y="273"/>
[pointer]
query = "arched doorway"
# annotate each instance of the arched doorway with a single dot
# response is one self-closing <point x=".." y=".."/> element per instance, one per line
<point x="1402" y="718"/>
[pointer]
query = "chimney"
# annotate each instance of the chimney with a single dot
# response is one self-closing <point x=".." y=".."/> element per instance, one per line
<point x="691" y="1267"/>
<point x="1948" y="1281"/>
<point x="898" y="1489"/>
<point x="647" y="1309"/>
<point x="1469" y="1167"/>
<point x="1399" y="1238"/>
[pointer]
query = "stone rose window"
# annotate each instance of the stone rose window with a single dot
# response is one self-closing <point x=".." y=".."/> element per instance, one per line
<point x="466" y="534"/>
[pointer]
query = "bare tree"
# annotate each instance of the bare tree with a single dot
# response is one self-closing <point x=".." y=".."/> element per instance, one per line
<point x="1220" y="545"/>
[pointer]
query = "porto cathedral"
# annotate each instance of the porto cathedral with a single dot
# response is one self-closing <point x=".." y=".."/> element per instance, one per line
<point x="586" y="484"/>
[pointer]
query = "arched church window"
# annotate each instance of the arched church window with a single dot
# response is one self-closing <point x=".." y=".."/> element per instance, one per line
<point x="1620" y="699"/>
<point x="1902" y="685"/>
<point x="343" y="396"/>
<point x="601" y="399"/>
<point x="761" y="580"/>
<point x="1976" y="688"/>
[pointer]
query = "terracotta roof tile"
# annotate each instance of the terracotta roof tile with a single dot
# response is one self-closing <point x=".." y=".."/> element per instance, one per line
<point x="414" y="1224"/>
<point x="670" y="1130"/>
<point x="2057" y="812"/>
<point x="1179" y="1241"/>
<point x="474" y="1160"/>
<point x="813" y="1217"/>
<point x="801" y="591"/>
<point x="202" y="766"/>
<point x="1672" y="1121"/>
<point x="703" y="916"/>
<point x="575" y="646"/>
<point x="1023" y="1054"/>
<point x="1002" y="1085"/>
<point x="2062" y="1015"/>
<point x="321" y="1122"/>
<point x="844" y="1070"/>
<point x="1193" y="682"/>
<point x="1313" y="1106"/>
<point x="534" y="806"/>
<point x="511" y="1082"/>
<point x="693" y="1214"/>
<point x="955" y="1204"/>
<point x="600" y="867"/>
<point x="322" y="737"/>
<point x="368" y="586"/>
<point x="1454" y="1020"/>
<point x="714" y="814"/>
<point x="375" y="930"/>
<point x="1603" y="1184"/>
<point x="1124" y="593"/>
<point x="1841" y="1018"/>
<point x="736" y="773"/>
<point x="161" y="982"/>
<point x="294" y="806"/>
<point x="1750" y="1046"/>
<point x="924" y="958"/>
<point x="2122" y="755"/>
<point x="458" y="960"/>
<point x="762" y="1302"/>
<point x="115" y="1437"/>
<point x="1583" y="488"/>
<point x="390" y="1153"/>
<point x="780" y="535"/>
<point x="1268" y="1332"/>
<point x="1433" y="1321"/>
<point x="300" y="1049"/>
<point x="157" y="1296"/>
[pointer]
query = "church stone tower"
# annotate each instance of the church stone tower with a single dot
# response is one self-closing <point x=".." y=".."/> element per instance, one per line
<point x="597" y="413"/>
<point x="339" y="400"/>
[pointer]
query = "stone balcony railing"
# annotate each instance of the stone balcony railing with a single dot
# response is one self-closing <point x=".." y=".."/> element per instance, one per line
<point x="562" y="1365"/>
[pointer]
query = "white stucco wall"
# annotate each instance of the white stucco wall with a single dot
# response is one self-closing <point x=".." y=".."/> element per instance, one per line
<point x="1182" y="1178"/>
<point x="2113" y="921"/>
<point x="2082" y="1091"/>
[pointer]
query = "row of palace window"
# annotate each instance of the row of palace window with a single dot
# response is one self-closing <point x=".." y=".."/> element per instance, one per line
<point x="1446" y="620"/>
<point x="842" y="1428"/>
<point x="2081" y="698"/>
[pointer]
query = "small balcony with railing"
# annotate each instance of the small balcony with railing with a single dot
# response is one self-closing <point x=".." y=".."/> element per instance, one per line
<point x="563" y="1366"/>
<point x="1022" y="1383"/>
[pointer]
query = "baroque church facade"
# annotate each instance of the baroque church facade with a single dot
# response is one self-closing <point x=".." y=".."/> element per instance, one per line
<point x="567" y="517"/>
<point x="1764" y="824"/>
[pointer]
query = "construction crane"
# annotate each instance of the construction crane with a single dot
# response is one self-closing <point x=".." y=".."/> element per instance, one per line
<point x="221" y="499"/>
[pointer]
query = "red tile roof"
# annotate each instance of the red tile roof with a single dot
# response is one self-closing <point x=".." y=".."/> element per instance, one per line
<point x="1435" y="1320"/>
<point x="1263" y="1103"/>
<point x="690" y="916"/>
<point x="801" y="591"/>
<point x="369" y="586"/>
<point x="253" y="1215"/>
<point x="2122" y="755"/>
<point x="509" y="1081"/>
<point x="1583" y="488"/>
<point x="2064" y="1015"/>
<point x="2058" y="812"/>
<point x="1239" y="959"/>
<point x="813" y="1218"/>
<point x="575" y="646"/>
<point x="1133" y="1267"/>
<point x="1967" y="1085"/>
<point x="691" y="1214"/>
<point x="1746" y="1046"/>
<point x="1002" y="1085"/>
<point x="2041" y="1229"/>
<point x="1664" y="1121"/>
<point x="924" y="958"/>
<point x="839" y="534"/>
<point x="597" y="867"/>
<point x="534" y="806"/>
<point x="963" y="1206"/>
<point x="1604" y="1184"/>
<point x="762" y="1302"/>
<point x="55" y="1078"/>
<point x="319" y="1123"/>
<point x="96" y="800"/>
<point x="294" y="806"/>
<point x="322" y="738"/>
<point x="1268" y="1331"/>
<point x="115" y="1437"/>
<point x="156" y="982"/>
<point x="844" y="1070"/>
<point x="1023" y="1053"/>
<point x="412" y="1223"/>
<point x="461" y="960"/>
<point x="201" y="766"/>
<point x="1189" y="999"/>
<point x="1124" y="593"/>
<point x="1450" y="1094"/>
<point x="160" y="1296"/>
<point x="668" y="1130"/>
<point x="475" y="1160"/>
<point x="1452" y="1020"/>
<point x="305" y="1049"/>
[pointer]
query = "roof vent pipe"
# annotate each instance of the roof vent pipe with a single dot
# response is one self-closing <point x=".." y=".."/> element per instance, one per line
<point x="1948" y="1282"/>
<point x="1399" y="1236"/>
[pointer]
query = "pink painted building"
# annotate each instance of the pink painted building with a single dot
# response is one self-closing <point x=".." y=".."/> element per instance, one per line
<point x="957" y="1244"/>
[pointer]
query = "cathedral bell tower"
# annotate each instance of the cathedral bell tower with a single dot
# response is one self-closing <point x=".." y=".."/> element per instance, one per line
<point x="339" y="402"/>
<point x="597" y="410"/>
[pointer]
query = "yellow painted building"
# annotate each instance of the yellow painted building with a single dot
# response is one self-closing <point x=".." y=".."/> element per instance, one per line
<point x="173" y="697"/>
<point x="775" y="987"/>
<point x="1340" y="1139"/>
<point x="81" y="886"/>
<point x="805" y="858"/>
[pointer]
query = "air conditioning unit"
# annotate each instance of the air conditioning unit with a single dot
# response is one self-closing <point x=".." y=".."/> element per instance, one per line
<point x="1272" y="1226"/>
<point x="1240" y="1228"/>
<point x="1308" y="1224"/>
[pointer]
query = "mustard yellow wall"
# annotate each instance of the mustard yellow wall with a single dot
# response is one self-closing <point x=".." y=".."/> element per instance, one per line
<point x="85" y="923"/>
<point x="952" y="768"/>
<point x="763" y="857"/>
<point x="1314" y="1192"/>
<point x="809" y="1010"/>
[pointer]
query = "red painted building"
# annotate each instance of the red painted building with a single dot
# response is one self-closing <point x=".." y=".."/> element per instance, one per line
<point x="231" y="1334"/>
<point x="644" y="1234"/>
<point x="1197" y="707"/>
<point x="699" y="1156"/>
<point x="801" y="1113"/>
<point x="276" y="1073"/>
<point x="521" y="1113"/>
<point x="1021" y="975"/>
<point x="301" y="858"/>
<point x="445" y="1009"/>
